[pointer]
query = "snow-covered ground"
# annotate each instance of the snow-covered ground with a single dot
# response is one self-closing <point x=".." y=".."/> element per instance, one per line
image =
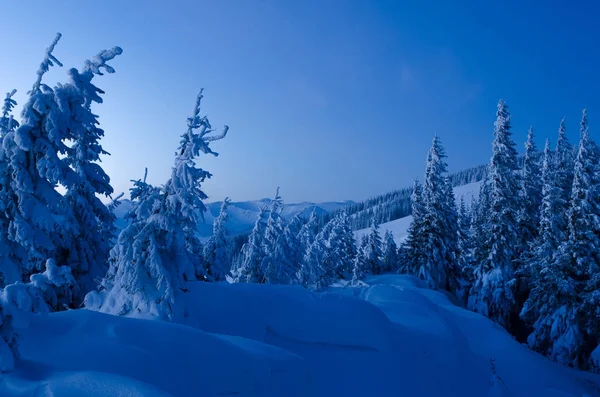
<point x="399" y="227"/>
<point x="392" y="338"/>
<point x="243" y="215"/>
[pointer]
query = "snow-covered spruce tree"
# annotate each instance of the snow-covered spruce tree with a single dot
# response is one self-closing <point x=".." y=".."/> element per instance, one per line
<point x="152" y="260"/>
<point x="42" y="222"/>
<point x="275" y="223"/>
<point x="341" y="247"/>
<point x="217" y="254"/>
<point x="312" y="265"/>
<point x="465" y="261"/>
<point x="308" y="231"/>
<point x="439" y="224"/>
<point x="530" y="196"/>
<point x="414" y="257"/>
<point x="249" y="268"/>
<point x="481" y="226"/>
<point x="319" y="265"/>
<point x="11" y="253"/>
<point x="361" y="264"/>
<point x="550" y="234"/>
<point x="373" y="251"/>
<point x="564" y="168"/>
<point x="90" y="248"/>
<point x="541" y="268"/>
<point x="493" y="292"/>
<point x="558" y="298"/>
<point x="390" y="252"/>
<point x="283" y="262"/>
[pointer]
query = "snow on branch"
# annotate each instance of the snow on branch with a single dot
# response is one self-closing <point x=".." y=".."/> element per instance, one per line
<point x="49" y="60"/>
<point x="9" y="103"/>
<point x="204" y="128"/>
<point x="95" y="64"/>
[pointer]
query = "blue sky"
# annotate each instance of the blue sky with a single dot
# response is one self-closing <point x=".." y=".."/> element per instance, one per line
<point x="329" y="99"/>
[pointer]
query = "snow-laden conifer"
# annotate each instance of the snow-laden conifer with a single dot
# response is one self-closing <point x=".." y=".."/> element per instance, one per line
<point x="152" y="258"/>
<point x="390" y="252"/>
<point x="493" y="291"/>
<point x="249" y="269"/>
<point x="217" y="253"/>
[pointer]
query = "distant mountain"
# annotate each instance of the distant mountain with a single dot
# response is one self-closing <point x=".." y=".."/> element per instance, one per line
<point x="243" y="215"/>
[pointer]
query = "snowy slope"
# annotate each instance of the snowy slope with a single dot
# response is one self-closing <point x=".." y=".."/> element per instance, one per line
<point x="399" y="227"/>
<point x="243" y="215"/>
<point x="391" y="338"/>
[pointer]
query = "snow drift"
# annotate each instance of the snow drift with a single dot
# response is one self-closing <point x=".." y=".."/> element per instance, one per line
<point x="392" y="337"/>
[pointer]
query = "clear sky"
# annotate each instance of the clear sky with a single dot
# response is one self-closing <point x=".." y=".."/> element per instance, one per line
<point x="329" y="99"/>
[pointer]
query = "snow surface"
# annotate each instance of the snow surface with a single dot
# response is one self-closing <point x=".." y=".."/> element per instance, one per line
<point x="392" y="337"/>
<point x="399" y="227"/>
<point x="243" y="215"/>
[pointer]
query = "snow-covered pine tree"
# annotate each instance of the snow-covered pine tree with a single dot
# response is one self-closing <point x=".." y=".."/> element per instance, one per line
<point x="42" y="222"/>
<point x="152" y="260"/>
<point x="341" y="247"/>
<point x="361" y="264"/>
<point x="530" y="196"/>
<point x="282" y="262"/>
<point x="465" y="261"/>
<point x="320" y="263"/>
<point x="415" y="241"/>
<point x="312" y="265"/>
<point x="373" y="251"/>
<point x="493" y="292"/>
<point x="563" y="174"/>
<point x="249" y="269"/>
<point x="439" y="223"/>
<point x="217" y="254"/>
<point x="275" y="223"/>
<point x="557" y="301"/>
<point x="90" y="248"/>
<point x="481" y="225"/>
<point x="308" y="231"/>
<point x="11" y="253"/>
<point x="390" y="252"/>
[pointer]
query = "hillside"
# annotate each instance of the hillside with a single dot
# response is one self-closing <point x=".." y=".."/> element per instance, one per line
<point x="392" y="337"/>
<point x="399" y="227"/>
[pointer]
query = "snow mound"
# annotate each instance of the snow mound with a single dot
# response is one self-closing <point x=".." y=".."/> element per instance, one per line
<point x="389" y="337"/>
<point x="81" y="351"/>
<point x="289" y="312"/>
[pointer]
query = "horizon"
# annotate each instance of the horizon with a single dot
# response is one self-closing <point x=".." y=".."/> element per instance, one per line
<point x="330" y="102"/>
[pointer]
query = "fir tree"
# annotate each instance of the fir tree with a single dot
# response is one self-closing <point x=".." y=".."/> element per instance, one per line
<point x="493" y="291"/>
<point x="11" y="253"/>
<point x="282" y="261"/>
<point x="42" y="222"/>
<point x="341" y="247"/>
<point x="152" y="260"/>
<point x="415" y="241"/>
<point x="308" y="232"/>
<point x="373" y="251"/>
<point x="439" y="224"/>
<point x="89" y="253"/>
<point x="252" y="254"/>
<point x="465" y="251"/>
<point x="217" y="256"/>
<point x="275" y="222"/>
<point x="361" y="262"/>
<point x="530" y="195"/>
<point x="390" y="252"/>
